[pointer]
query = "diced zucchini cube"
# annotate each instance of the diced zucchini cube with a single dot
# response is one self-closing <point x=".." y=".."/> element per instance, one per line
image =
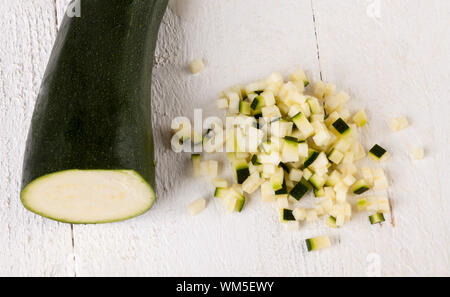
<point x="221" y="192"/>
<point x="241" y="169"/>
<point x="376" y="218"/>
<point x="244" y="108"/>
<point x="317" y="243"/>
<point x="277" y="179"/>
<point x="287" y="215"/>
<point x="341" y="127"/>
<point x="303" y="125"/>
<point x="222" y="103"/>
<point x="300" y="190"/>
<point x="295" y="175"/>
<point x="377" y="152"/>
<point x="362" y="204"/>
<point x="360" y="187"/>
<point x="197" y="207"/>
<point x="196" y="66"/>
<point x="282" y="202"/>
<point x="220" y="183"/>
<point x="299" y="214"/>
<point x="312" y="156"/>
<point x="303" y="150"/>
<point x="307" y="174"/>
<point x="331" y="222"/>
<point x="360" y="118"/>
<point x="267" y="192"/>
<point x="336" y="157"/>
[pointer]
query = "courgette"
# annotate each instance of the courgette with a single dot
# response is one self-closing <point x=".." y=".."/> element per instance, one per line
<point x="377" y="218"/>
<point x="377" y="152"/>
<point x="89" y="156"/>
<point x="341" y="126"/>
<point x="318" y="243"/>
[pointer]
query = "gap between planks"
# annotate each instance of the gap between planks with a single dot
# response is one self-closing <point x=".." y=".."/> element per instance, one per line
<point x="317" y="39"/>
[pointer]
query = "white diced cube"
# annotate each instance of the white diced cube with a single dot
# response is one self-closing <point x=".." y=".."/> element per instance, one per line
<point x="283" y="202"/>
<point x="417" y="153"/>
<point x="295" y="175"/>
<point x="222" y="103"/>
<point x="299" y="214"/>
<point x="197" y="207"/>
<point x="196" y="66"/>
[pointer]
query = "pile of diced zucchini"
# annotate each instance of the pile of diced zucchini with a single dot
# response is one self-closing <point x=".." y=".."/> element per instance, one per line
<point x="290" y="139"/>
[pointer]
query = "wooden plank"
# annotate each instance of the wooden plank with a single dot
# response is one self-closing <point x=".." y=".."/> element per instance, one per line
<point x="29" y="244"/>
<point x="238" y="45"/>
<point x="390" y="65"/>
<point x="392" y="57"/>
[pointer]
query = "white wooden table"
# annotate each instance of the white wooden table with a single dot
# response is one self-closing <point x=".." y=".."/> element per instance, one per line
<point x="391" y="56"/>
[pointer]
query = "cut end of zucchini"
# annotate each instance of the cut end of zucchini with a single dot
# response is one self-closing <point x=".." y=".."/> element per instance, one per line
<point x="89" y="196"/>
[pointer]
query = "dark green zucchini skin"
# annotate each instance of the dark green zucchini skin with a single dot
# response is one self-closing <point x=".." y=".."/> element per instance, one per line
<point x="94" y="107"/>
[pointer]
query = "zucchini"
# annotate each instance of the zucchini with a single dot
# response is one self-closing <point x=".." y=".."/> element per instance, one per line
<point x="377" y="152"/>
<point x="336" y="156"/>
<point x="360" y="187"/>
<point x="244" y="108"/>
<point x="300" y="190"/>
<point x="317" y="181"/>
<point x="362" y="204"/>
<point x="287" y="215"/>
<point x="255" y="160"/>
<point x="196" y="161"/>
<point x="241" y="170"/>
<point x="317" y="243"/>
<point x="360" y="118"/>
<point x="376" y="218"/>
<point x="314" y="105"/>
<point x="285" y="167"/>
<point x="331" y="222"/>
<point x="257" y="103"/>
<point x="312" y="156"/>
<point x="89" y="156"/>
<point x="290" y="150"/>
<point x="282" y="191"/>
<point x="221" y="192"/>
<point x="319" y="193"/>
<point x="240" y="201"/>
<point x="277" y="179"/>
<point x="341" y="126"/>
<point x="303" y="125"/>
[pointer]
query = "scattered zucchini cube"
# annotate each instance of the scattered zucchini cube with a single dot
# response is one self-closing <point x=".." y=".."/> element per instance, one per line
<point x="318" y="243"/>
<point x="377" y="218"/>
<point x="377" y="152"/>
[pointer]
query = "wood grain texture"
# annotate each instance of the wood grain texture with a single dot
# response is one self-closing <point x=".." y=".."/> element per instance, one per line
<point x="391" y="64"/>
<point x="29" y="244"/>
